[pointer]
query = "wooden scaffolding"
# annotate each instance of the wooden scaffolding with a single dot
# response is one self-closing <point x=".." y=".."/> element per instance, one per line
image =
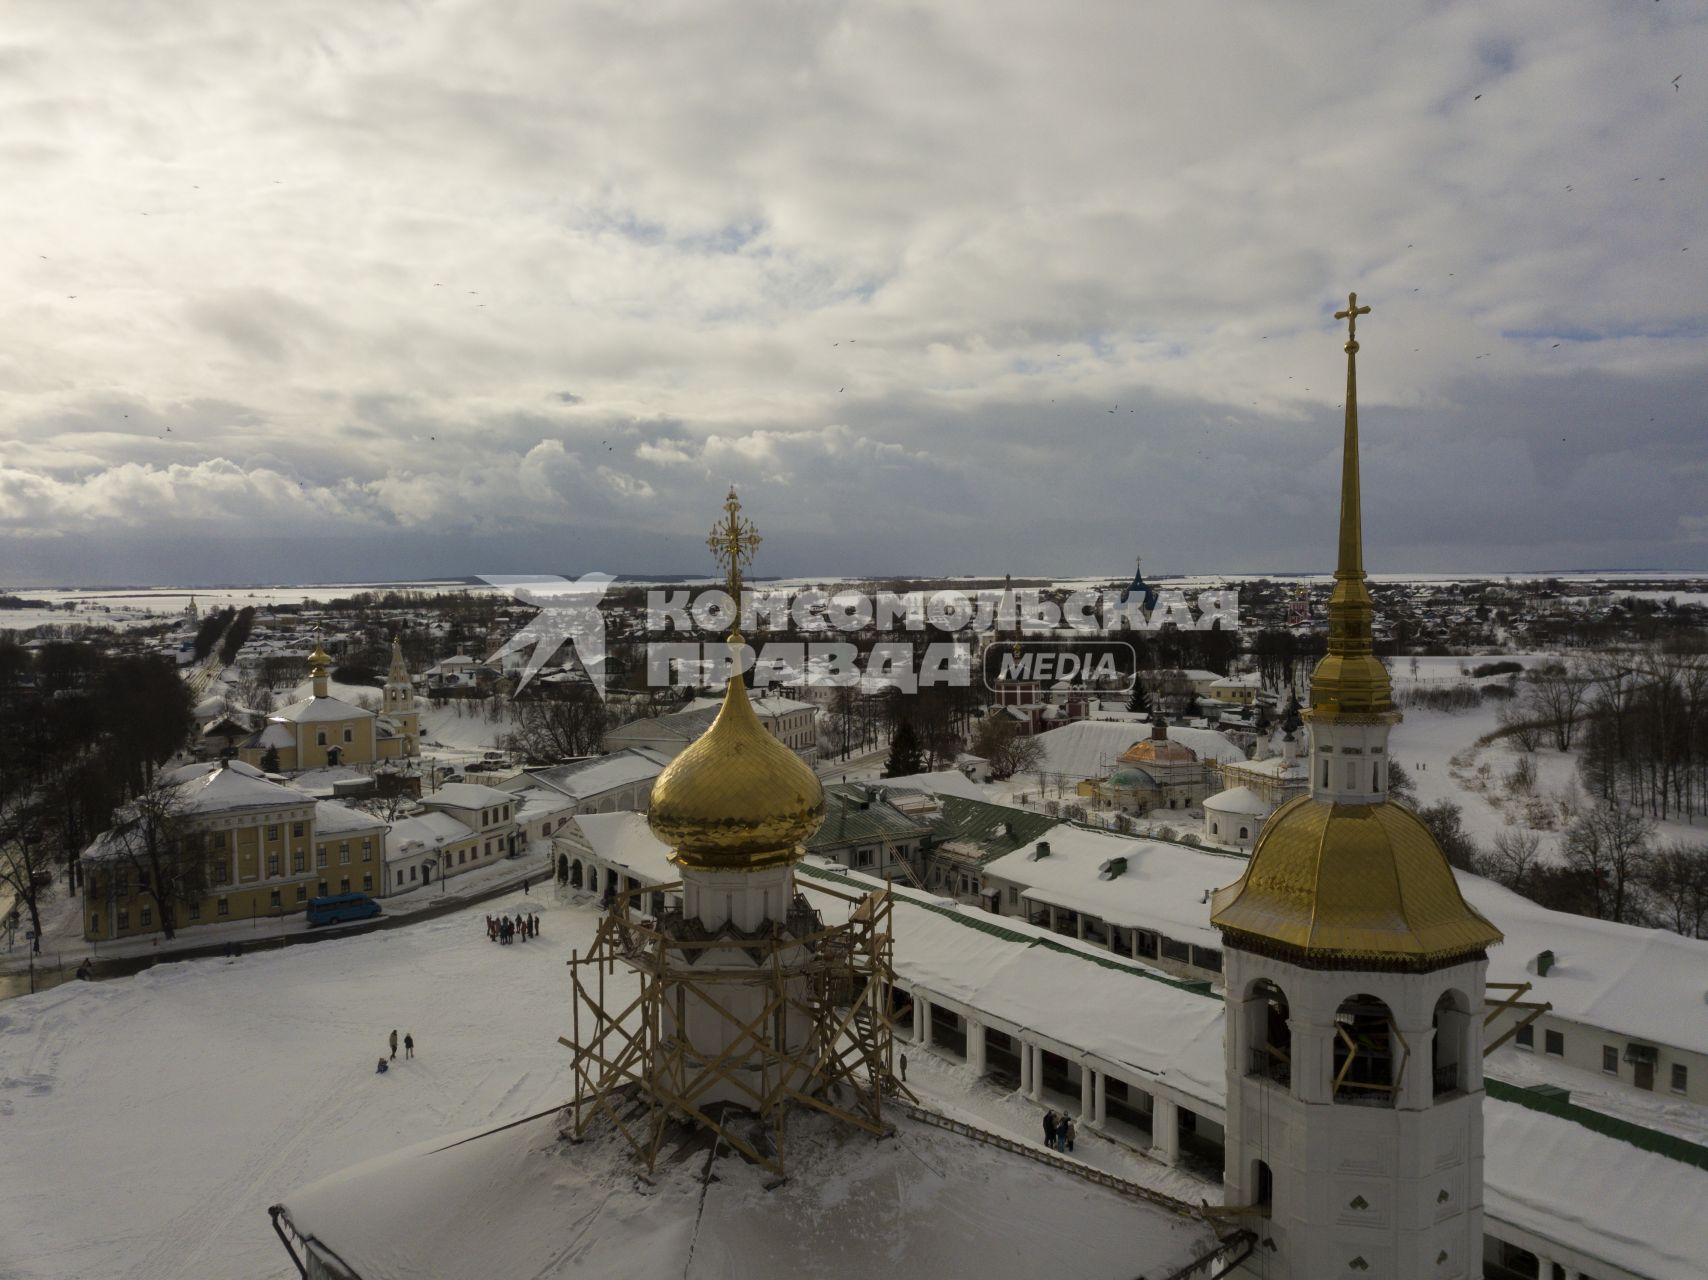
<point x="634" y="1072"/>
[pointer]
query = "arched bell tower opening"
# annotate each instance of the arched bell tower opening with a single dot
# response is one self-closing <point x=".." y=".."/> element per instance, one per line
<point x="1369" y="1053"/>
<point x="1268" y="1035"/>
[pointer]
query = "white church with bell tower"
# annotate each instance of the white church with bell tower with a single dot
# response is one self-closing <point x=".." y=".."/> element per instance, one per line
<point x="1355" y="974"/>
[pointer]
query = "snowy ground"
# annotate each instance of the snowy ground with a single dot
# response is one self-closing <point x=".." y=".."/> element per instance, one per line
<point x="150" y="1121"/>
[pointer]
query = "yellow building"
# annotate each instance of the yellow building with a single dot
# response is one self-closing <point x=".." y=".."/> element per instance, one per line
<point x="321" y="730"/>
<point x="250" y="847"/>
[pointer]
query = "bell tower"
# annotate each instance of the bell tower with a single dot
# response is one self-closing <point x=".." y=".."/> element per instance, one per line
<point x="1355" y="973"/>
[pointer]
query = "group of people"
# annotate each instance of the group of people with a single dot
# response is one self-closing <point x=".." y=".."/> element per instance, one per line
<point x="1058" y="1132"/>
<point x="506" y="929"/>
<point x="408" y="1050"/>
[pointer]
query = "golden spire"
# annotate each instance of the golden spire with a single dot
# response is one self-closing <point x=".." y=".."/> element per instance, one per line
<point x="1349" y="680"/>
<point x="737" y="799"/>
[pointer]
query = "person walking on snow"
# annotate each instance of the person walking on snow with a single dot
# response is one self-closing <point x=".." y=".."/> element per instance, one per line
<point x="1050" y="1129"/>
<point x="1067" y="1133"/>
<point x="409" y="1045"/>
<point x="394" y="1042"/>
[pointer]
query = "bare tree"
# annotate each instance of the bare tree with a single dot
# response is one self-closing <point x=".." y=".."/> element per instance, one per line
<point x="1557" y="695"/>
<point x="26" y="861"/>
<point x="152" y="841"/>
<point x="1514" y="859"/>
<point x="998" y="739"/>
<point x="1517" y="722"/>
<point x="1678" y="879"/>
<point x="561" y="726"/>
<point x="1610" y="847"/>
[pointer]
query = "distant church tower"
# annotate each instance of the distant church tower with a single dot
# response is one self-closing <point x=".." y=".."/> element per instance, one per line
<point x="399" y="689"/>
<point x="1355" y="975"/>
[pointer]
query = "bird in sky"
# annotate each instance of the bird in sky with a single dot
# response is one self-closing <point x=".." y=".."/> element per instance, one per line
<point x="1556" y="344"/>
<point x="1675" y="81"/>
<point x="1477" y="98"/>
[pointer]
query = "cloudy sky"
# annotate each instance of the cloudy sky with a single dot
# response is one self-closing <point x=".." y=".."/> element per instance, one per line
<point x="329" y="290"/>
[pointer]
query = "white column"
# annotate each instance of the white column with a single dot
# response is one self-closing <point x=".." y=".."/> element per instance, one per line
<point x="1133" y="942"/>
<point x="975" y="1046"/>
<point x="1100" y="1107"/>
<point x="1038" y="1072"/>
<point x="922" y="1020"/>
<point x="1025" y="1069"/>
<point x="1052" y="919"/>
<point x="1080" y="918"/>
<point x="1165" y="1130"/>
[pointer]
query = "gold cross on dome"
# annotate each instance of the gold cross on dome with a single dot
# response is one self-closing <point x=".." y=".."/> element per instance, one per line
<point x="732" y="543"/>
<point x="1350" y="315"/>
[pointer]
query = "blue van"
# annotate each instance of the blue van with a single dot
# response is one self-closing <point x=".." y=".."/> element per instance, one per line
<point x="339" y="907"/>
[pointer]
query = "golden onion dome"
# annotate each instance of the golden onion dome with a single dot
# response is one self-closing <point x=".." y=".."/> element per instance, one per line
<point x="1351" y="882"/>
<point x="737" y="799"/>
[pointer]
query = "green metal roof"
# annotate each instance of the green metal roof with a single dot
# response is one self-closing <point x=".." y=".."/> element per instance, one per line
<point x="994" y="829"/>
<point x="849" y="818"/>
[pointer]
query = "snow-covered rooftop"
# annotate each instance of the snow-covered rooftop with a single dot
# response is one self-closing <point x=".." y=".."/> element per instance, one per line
<point x="315" y="710"/>
<point x="625" y="840"/>
<point x="1648" y="984"/>
<point x="581" y="779"/>
<point x="521" y="1200"/>
<point x="1089" y="749"/>
<point x="1161" y="887"/>
<point x="467" y="795"/>
<point x="411" y="837"/>
<point x="334" y="819"/>
<point x="1238" y="800"/>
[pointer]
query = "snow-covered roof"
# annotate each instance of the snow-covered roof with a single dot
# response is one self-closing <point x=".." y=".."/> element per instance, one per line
<point x="318" y="710"/>
<point x="424" y="833"/>
<point x="765" y="706"/>
<point x="535" y="803"/>
<point x="467" y="795"/>
<point x="1089" y="749"/>
<point x="334" y="819"/>
<point x="583" y="779"/>
<point x="274" y="735"/>
<point x="1648" y="984"/>
<point x="522" y="1200"/>
<point x="1161" y="888"/>
<point x="210" y="788"/>
<point x="1239" y="800"/>
<point x="625" y="840"/>
<point x="944" y="782"/>
<point x="1019" y="973"/>
<point x="1602" y="1196"/>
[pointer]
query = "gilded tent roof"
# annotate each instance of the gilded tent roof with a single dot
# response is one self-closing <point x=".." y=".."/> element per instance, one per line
<point x="1352" y="881"/>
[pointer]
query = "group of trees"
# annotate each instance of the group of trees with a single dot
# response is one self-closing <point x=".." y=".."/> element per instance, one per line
<point x="86" y="731"/>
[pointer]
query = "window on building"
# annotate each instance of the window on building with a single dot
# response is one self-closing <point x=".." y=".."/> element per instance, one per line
<point x="349" y="735"/>
<point x="367" y="850"/>
<point x="124" y="918"/>
<point x="219" y="840"/>
<point x="302" y="893"/>
<point x="1680" y="1077"/>
<point x="297" y="829"/>
<point x="195" y="911"/>
<point x="1609" y="1059"/>
<point x="1013" y="896"/>
<point x="320" y="858"/>
<point x="272" y="831"/>
<point x="1212" y="828"/>
<point x="368" y="883"/>
<point x="412" y="873"/>
<point x="275" y="899"/>
<point x="299" y="861"/>
<point x="1244" y="832"/>
<point x="1526" y="1038"/>
<point x="344" y="853"/>
<point x="320" y="738"/>
<point x="147" y="916"/>
<point x="224" y="906"/>
<point x="460" y="856"/>
<point x="95" y="923"/>
<point x="344" y="885"/>
<point x="1554" y="1042"/>
<point x="272" y="864"/>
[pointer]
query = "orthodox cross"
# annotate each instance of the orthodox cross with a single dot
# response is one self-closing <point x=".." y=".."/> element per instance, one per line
<point x="732" y="542"/>
<point x="1350" y="315"/>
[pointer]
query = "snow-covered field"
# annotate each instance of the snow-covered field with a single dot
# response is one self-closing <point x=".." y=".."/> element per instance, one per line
<point x="147" y="1123"/>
